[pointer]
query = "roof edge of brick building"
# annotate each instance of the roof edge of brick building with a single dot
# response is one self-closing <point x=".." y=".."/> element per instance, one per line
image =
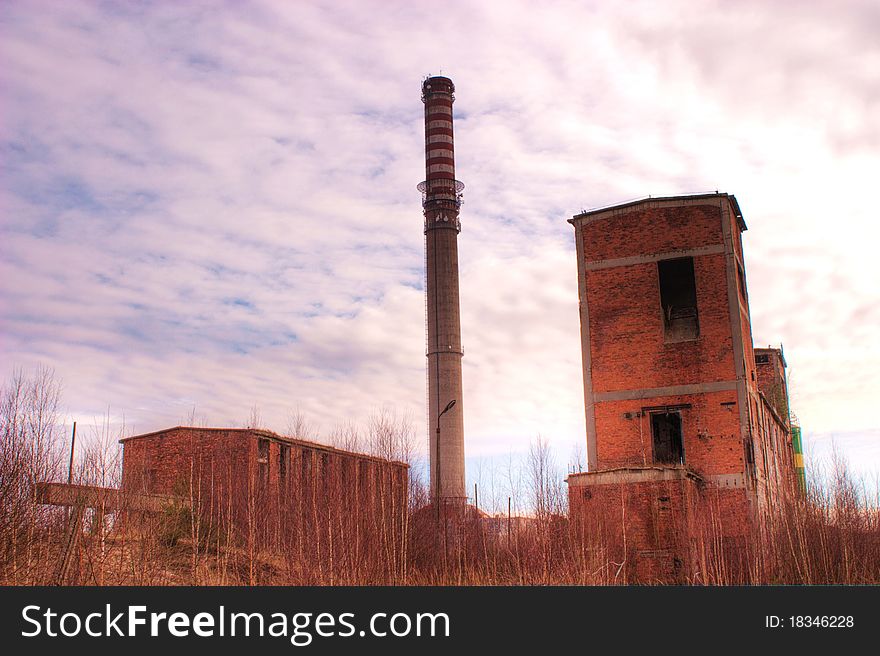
<point x="659" y="201"/>
<point x="261" y="432"/>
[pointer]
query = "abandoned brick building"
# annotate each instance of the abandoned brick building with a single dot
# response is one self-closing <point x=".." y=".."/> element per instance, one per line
<point x="307" y="498"/>
<point x="682" y="414"/>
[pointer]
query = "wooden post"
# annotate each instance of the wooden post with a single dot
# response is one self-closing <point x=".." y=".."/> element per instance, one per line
<point x="74" y="527"/>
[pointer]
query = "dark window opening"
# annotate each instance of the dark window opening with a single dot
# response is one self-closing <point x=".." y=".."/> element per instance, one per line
<point x="678" y="298"/>
<point x="668" y="441"/>
<point x="263" y="464"/>
<point x="325" y="470"/>
<point x="283" y="460"/>
<point x="763" y="358"/>
<point x="305" y="480"/>
<point x="750" y="460"/>
<point x="263" y="451"/>
<point x="741" y="280"/>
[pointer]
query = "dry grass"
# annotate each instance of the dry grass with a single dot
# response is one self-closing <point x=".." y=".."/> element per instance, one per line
<point x="829" y="536"/>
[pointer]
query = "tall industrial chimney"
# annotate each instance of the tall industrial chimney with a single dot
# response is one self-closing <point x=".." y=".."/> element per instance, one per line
<point x="441" y="199"/>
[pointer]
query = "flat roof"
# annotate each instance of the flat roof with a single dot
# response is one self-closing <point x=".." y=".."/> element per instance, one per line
<point x="259" y="432"/>
<point x="661" y="200"/>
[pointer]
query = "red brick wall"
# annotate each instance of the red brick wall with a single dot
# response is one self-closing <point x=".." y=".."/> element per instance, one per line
<point x="163" y="463"/>
<point x="641" y="525"/>
<point x="627" y="335"/>
<point x="774" y="457"/>
<point x="712" y="443"/>
<point x="629" y="355"/>
<point x="661" y="531"/>
<point x="771" y="380"/>
<point x="332" y="504"/>
<point x="628" y="346"/>
<point x="648" y="230"/>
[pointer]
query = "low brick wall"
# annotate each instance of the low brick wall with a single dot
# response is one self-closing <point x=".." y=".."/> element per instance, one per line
<point x="323" y="508"/>
<point x="653" y="523"/>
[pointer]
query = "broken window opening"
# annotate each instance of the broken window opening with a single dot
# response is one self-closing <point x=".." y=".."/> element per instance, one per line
<point x="305" y="482"/>
<point x="678" y="299"/>
<point x="263" y="464"/>
<point x="263" y="450"/>
<point x="325" y="470"/>
<point x="750" y="461"/>
<point x="741" y="280"/>
<point x="283" y="461"/>
<point x="762" y="358"/>
<point x="668" y="441"/>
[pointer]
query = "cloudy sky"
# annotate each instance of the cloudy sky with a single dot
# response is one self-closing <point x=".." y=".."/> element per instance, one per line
<point x="212" y="205"/>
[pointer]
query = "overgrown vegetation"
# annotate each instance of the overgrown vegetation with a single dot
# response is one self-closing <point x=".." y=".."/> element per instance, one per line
<point x="831" y="535"/>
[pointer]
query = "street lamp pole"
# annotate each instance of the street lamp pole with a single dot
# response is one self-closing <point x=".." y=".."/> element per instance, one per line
<point x="448" y="407"/>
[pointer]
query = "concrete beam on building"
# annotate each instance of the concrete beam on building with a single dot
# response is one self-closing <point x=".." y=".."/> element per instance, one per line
<point x="619" y="475"/>
<point x="586" y="353"/>
<point x="670" y="390"/>
<point x="109" y="498"/>
<point x="596" y="265"/>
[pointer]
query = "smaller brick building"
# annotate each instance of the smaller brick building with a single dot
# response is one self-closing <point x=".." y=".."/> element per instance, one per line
<point x="775" y="451"/>
<point x="306" y="500"/>
<point x="680" y="428"/>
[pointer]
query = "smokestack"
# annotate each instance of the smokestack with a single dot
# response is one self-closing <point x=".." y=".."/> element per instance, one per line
<point x="441" y="199"/>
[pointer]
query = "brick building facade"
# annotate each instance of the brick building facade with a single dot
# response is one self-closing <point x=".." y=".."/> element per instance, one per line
<point x="676" y="419"/>
<point x="774" y="448"/>
<point x="267" y="491"/>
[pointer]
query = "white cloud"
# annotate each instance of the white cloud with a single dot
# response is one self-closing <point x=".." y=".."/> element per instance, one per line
<point x="216" y="206"/>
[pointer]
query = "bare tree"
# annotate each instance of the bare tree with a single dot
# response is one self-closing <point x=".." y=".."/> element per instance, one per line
<point x="255" y="419"/>
<point x="31" y="450"/>
<point x="391" y="435"/>
<point x="299" y="426"/>
<point x="101" y="457"/>
<point x="543" y="478"/>
<point x="577" y="460"/>
<point x="100" y="465"/>
<point x="346" y="436"/>
<point x="193" y="419"/>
